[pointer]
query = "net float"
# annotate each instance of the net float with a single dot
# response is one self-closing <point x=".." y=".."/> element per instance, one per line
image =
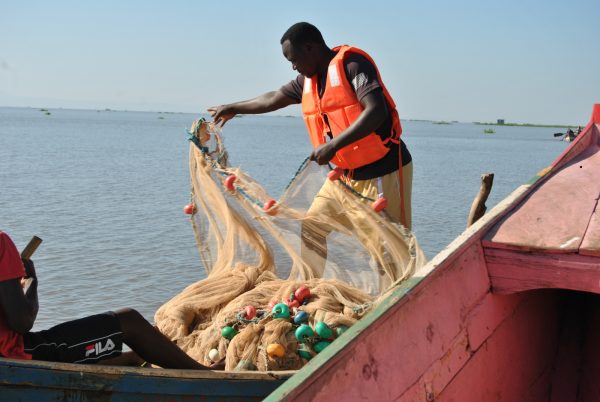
<point x="281" y="310"/>
<point x="323" y="330"/>
<point x="380" y="204"/>
<point x="189" y="209"/>
<point x="340" y="330"/>
<point x="335" y="174"/>
<point x="302" y="293"/>
<point x="228" y="332"/>
<point x="319" y="346"/>
<point x="304" y="352"/>
<point x="292" y="303"/>
<point x="250" y="312"/>
<point x="304" y="333"/>
<point x="270" y="207"/>
<point x="229" y="180"/>
<point x="213" y="355"/>
<point x="301" y="317"/>
<point x="275" y="350"/>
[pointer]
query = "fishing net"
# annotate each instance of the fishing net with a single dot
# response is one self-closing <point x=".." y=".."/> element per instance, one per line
<point x="282" y="283"/>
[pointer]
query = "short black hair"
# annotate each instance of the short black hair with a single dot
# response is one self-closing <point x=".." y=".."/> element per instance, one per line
<point x="301" y="33"/>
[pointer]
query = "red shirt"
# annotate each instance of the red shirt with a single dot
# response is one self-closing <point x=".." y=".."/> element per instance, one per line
<point x="11" y="267"/>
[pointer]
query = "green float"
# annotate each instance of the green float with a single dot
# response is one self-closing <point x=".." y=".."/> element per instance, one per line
<point x="228" y="332"/>
<point x="281" y="310"/>
<point x="304" y="333"/>
<point x="319" y="346"/>
<point x="323" y="330"/>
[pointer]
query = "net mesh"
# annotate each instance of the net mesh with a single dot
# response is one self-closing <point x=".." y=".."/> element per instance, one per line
<point x="282" y="282"/>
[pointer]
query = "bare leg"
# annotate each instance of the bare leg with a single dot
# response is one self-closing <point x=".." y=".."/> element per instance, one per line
<point x="125" y="359"/>
<point x="151" y="345"/>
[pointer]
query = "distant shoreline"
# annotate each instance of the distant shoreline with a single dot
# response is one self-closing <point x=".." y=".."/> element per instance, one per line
<point x="440" y="122"/>
<point x="525" y="125"/>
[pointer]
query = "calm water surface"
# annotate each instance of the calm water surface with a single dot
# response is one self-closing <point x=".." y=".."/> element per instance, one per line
<point x="105" y="191"/>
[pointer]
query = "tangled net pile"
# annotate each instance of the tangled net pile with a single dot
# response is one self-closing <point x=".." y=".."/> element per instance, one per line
<point x="263" y="306"/>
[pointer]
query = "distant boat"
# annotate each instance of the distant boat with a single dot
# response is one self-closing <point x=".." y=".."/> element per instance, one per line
<point x="509" y="311"/>
<point x="569" y="136"/>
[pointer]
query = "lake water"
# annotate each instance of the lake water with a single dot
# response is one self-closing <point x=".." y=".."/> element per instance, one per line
<point x="105" y="191"/>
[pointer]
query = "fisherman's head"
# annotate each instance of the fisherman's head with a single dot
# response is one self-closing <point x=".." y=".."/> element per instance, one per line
<point x="302" y="45"/>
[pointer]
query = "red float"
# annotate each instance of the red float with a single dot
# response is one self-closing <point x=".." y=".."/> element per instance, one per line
<point x="189" y="209"/>
<point x="250" y="312"/>
<point x="292" y="303"/>
<point x="302" y="293"/>
<point x="380" y="204"/>
<point x="270" y="207"/>
<point x="229" y="180"/>
<point x="335" y="174"/>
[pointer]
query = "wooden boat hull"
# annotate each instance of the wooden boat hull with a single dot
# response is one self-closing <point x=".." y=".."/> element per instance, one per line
<point x="471" y="326"/>
<point x="43" y="381"/>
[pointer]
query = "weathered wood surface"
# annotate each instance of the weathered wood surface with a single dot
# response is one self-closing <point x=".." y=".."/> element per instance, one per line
<point x="556" y="216"/>
<point x="43" y="381"/>
<point x="516" y="271"/>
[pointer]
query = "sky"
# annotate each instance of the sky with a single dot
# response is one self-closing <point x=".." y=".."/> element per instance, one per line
<point x="523" y="61"/>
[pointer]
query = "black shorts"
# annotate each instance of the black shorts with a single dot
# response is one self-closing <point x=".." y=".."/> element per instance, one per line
<point x="87" y="340"/>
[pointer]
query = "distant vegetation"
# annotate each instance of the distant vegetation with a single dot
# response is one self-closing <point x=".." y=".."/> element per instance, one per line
<point x="489" y="131"/>
<point x="523" y="125"/>
<point x="441" y="122"/>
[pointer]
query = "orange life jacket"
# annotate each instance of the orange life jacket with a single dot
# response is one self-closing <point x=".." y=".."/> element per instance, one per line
<point x="341" y="106"/>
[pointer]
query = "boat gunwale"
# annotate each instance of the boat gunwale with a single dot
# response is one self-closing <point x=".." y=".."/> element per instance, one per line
<point x="119" y="371"/>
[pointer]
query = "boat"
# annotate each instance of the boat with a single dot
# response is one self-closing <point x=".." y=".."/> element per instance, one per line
<point x="506" y="312"/>
<point x="28" y="380"/>
<point x="509" y="311"/>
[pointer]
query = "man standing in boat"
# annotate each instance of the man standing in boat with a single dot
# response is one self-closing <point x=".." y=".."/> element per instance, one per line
<point x="352" y="122"/>
<point x="95" y="339"/>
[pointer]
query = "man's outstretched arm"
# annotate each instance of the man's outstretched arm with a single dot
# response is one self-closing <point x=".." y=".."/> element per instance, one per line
<point x="264" y="103"/>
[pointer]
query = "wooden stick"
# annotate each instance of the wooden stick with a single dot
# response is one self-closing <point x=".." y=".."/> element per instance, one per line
<point x="478" y="207"/>
<point x="31" y="247"/>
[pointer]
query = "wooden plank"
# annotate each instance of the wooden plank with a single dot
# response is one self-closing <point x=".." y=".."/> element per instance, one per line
<point x="555" y="215"/>
<point x="488" y="315"/>
<point x="118" y="371"/>
<point x="512" y="360"/>
<point x="440" y="373"/>
<point x="23" y="381"/>
<point x="513" y="271"/>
